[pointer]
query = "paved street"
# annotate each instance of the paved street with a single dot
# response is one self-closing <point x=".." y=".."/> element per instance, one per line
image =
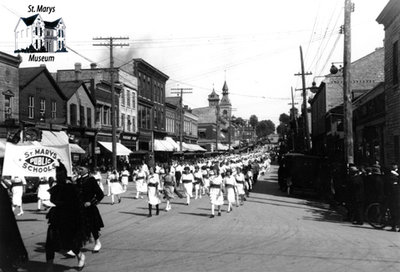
<point x="271" y="232"/>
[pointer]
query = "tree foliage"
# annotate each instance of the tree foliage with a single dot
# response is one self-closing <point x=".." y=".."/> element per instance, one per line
<point x="284" y="118"/>
<point x="253" y="121"/>
<point x="265" y="128"/>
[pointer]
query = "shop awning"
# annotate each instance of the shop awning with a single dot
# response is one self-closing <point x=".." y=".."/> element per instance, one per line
<point x="74" y="148"/>
<point x="191" y="147"/>
<point x="121" y="149"/>
<point x="163" y="145"/>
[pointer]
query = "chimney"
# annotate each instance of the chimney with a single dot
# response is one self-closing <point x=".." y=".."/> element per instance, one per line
<point x="93" y="65"/>
<point x="43" y="65"/>
<point x="78" y="71"/>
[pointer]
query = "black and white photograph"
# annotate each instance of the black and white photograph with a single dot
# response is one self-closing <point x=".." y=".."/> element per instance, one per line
<point x="186" y="135"/>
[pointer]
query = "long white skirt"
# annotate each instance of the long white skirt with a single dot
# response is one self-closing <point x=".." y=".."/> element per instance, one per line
<point x="141" y="186"/>
<point x="17" y="192"/>
<point x="230" y="195"/>
<point x="124" y="180"/>
<point x="240" y="188"/>
<point x="216" y="196"/>
<point x="188" y="189"/>
<point x="206" y="182"/>
<point x="116" y="188"/>
<point x="43" y="192"/>
<point x="154" y="198"/>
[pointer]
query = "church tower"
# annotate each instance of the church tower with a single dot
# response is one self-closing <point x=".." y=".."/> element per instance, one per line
<point x="213" y="99"/>
<point x="225" y="104"/>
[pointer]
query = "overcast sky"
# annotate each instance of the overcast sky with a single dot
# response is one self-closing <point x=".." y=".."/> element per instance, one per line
<point x="253" y="44"/>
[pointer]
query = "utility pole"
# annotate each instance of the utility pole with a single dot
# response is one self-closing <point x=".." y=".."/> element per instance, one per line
<point x="304" y="108"/>
<point x="347" y="106"/>
<point x="294" y="119"/>
<point x="181" y="92"/>
<point x="111" y="44"/>
<point x="216" y="126"/>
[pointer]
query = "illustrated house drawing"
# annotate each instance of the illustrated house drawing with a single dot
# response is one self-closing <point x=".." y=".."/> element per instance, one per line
<point x="33" y="34"/>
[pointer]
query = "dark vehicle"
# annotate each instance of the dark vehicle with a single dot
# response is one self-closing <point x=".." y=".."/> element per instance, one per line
<point x="299" y="172"/>
<point x="378" y="216"/>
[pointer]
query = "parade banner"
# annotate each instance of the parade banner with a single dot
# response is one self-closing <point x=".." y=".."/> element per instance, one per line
<point x="35" y="160"/>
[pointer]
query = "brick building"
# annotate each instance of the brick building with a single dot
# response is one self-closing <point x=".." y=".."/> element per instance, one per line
<point x="151" y="104"/>
<point x="42" y="103"/>
<point x="390" y="19"/>
<point x="367" y="72"/>
<point x="9" y="97"/>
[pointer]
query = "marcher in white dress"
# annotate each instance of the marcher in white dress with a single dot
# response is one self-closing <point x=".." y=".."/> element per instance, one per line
<point x="140" y="182"/>
<point x="198" y="182"/>
<point x="116" y="187"/>
<point x="43" y="193"/>
<point x="124" y="179"/>
<point x="206" y="180"/>
<point x="187" y="181"/>
<point x="153" y="194"/>
<point x="230" y="185"/>
<point x="240" y="184"/>
<point x="97" y="176"/>
<point x="216" y="192"/>
<point x="17" y="189"/>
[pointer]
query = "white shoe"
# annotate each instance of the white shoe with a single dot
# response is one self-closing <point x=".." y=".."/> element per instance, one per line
<point x="81" y="261"/>
<point x="97" y="246"/>
<point x="70" y="254"/>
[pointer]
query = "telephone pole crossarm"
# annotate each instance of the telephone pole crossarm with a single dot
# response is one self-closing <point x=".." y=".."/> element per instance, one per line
<point x="181" y="91"/>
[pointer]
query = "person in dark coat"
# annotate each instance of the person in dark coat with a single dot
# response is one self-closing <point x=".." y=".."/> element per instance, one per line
<point x="357" y="194"/>
<point x="90" y="195"/>
<point x="12" y="249"/>
<point x="66" y="228"/>
<point x="392" y="192"/>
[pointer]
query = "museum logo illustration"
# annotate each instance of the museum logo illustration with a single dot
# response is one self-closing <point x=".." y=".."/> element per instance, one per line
<point x="35" y="35"/>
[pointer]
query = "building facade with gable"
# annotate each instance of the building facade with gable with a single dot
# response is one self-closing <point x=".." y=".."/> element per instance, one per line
<point x="34" y="34"/>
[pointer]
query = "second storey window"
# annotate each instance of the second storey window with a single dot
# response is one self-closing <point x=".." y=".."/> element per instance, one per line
<point x="42" y="106"/>
<point x="128" y="99"/>
<point x="123" y="122"/>
<point x="31" y="107"/>
<point x="73" y="114"/>
<point x="53" y="109"/>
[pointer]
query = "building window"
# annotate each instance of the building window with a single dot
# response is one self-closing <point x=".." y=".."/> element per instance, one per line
<point x="133" y="100"/>
<point x="129" y="123"/>
<point x="133" y="124"/>
<point x="89" y="117"/>
<point x="41" y="33"/>
<point x="128" y="99"/>
<point x="123" y="121"/>
<point x="395" y="63"/>
<point x="7" y="107"/>
<point x="36" y="30"/>
<point x="123" y="98"/>
<point x="98" y="115"/>
<point x="73" y="114"/>
<point x="31" y="107"/>
<point x="59" y="44"/>
<point x="53" y="109"/>
<point x="36" y="44"/>
<point x="42" y="108"/>
<point x="82" y="115"/>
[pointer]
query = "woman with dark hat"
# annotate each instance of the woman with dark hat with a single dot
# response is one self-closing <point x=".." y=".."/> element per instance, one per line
<point x="66" y="229"/>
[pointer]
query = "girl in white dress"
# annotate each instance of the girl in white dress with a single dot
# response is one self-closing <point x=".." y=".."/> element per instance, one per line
<point x="43" y="193"/>
<point x="153" y="194"/>
<point x="216" y="192"/>
<point x="240" y="184"/>
<point x="124" y="179"/>
<point x="17" y="190"/>
<point x="206" y="180"/>
<point x="97" y="176"/>
<point x="187" y="181"/>
<point x="198" y="182"/>
<point x="116" y="187"/>
<point x="230" y="185"/>
<point x="140" y="182"/>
